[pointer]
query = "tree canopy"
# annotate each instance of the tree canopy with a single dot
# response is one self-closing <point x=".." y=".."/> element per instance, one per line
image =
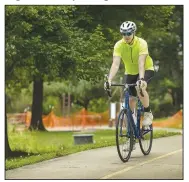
<point x="59" y="43"/>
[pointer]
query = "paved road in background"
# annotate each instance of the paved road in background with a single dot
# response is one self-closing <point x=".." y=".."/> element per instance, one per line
<point x="164" y="162"/>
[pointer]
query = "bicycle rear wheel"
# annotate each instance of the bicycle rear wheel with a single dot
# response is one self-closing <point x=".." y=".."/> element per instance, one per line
<point x="124" y="136"/>
<point x="145" y="140"/>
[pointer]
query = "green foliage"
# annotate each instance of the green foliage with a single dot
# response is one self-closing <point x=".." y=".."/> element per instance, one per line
<point x="98" y="105"/>
<point x="58" y="88"/>
<point x="36" y="33"/>
<point x="163" y="107"/>
<point x="75" y="108"/>
<point x="75" y="43"/>
<point x="86" y="91"/>
<point x="50" y="103"/>
<point x="17" y="102"/>
<point x="45" y="41"/>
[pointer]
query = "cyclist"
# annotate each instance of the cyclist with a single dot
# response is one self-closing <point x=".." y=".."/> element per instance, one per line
<point x="139" y="69"/>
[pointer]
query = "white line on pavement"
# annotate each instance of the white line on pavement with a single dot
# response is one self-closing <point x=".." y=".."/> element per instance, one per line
<point x="140" y="164"/>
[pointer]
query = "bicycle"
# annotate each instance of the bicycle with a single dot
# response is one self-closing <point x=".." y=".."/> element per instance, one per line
<point x="127" y="129"/>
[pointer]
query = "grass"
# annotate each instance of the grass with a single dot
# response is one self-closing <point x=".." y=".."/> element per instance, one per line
<point x="35" y="146"/>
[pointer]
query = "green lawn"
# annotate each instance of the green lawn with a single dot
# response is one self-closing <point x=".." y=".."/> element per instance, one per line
<point x="34" y="146"/>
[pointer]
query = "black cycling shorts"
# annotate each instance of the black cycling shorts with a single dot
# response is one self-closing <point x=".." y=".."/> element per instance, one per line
<point x="130" y="79"/>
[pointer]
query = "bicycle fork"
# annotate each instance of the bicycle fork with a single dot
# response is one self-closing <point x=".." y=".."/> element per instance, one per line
<point x="121" y="126"/>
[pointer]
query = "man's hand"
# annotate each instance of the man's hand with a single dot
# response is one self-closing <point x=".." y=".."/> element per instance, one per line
<point x="107" y="85"/>
<point x="141" y="84"/>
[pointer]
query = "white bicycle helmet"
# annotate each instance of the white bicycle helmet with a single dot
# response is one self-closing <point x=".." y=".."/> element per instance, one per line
<point x="128" y="27"/>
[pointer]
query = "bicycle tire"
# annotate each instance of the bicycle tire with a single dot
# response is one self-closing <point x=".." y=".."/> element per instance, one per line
<point x="144" y="138"/>
<point x="123" y="115"/>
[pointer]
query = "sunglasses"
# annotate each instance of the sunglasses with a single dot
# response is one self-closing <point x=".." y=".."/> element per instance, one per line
<point x="127" y="34"/>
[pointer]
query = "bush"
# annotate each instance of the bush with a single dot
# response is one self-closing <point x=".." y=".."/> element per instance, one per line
<point x="75" y="108"/>
<point x="18" y="102"/>
<point x="49" y="102"/>
<point x="98" y="105"/>
<point x="162" y="107"/>
<point x="163" y="110"/>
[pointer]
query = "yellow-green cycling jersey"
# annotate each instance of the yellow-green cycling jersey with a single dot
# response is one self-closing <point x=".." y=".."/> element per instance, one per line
<point x="130" y="55"/>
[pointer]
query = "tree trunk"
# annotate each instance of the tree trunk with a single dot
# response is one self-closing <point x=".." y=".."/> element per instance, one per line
<point x="177" y="96"/>
<point x="173" y="96"/>
<point x="37" y="105"/>
<point x="61" y="103"/>
<point x="7" y="146"/>
<point x="86" y="104"/>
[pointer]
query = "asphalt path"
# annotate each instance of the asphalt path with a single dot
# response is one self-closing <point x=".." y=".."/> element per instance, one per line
<point x="164" y="162"/>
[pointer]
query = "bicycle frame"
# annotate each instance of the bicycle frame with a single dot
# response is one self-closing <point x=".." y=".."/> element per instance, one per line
<point x="126" y="123"/>
<point x="140" y="108"/>
<point x="136" y="127"/>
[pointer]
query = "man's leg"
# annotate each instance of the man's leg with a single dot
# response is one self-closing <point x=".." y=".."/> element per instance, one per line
<point x="130" y="79"/>
<point x="148" y="117"/>
<point x="145" y="99"/>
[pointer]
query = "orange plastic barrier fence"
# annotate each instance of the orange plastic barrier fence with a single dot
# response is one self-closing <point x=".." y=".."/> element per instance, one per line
<point x="85" y="118"/>
<point x="173" y="122"/>
<point x="82" y="118"/>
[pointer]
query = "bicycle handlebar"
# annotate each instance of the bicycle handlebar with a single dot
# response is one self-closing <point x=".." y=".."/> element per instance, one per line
<point x="126" y="86"/>
<point x="123" y="85"/>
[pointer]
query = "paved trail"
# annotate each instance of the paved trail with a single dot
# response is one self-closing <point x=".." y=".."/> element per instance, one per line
<point x="164" y="162"/>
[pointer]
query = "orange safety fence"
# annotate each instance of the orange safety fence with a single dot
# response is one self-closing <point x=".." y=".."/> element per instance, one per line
<point x="17" y="118"/>
<point x="85" y="118"/>
<point x="82" y="119"/>
<point x="175" y="121"/>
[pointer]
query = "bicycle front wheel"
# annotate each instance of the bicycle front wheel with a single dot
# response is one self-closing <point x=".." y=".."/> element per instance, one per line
<point x="145" y="140"/>
<point x="124" y="136"/>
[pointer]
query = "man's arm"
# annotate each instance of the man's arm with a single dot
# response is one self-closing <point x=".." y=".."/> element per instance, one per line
<point x="114" y="68"/>
<point x="143" y="53"/>
<point x="141" y="62"/>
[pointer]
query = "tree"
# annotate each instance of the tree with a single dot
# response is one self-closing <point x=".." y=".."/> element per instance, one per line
<point x="82" y="92"/>
<point x="7" y="146"/>
<point x="85" y="91"/>
<point x="48" y="46"/>
<point x="167" y="50"/>
<point x="45" y="42"/>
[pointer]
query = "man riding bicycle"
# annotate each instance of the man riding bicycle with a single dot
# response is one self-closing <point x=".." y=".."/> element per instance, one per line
<point x="138" y="64"/>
